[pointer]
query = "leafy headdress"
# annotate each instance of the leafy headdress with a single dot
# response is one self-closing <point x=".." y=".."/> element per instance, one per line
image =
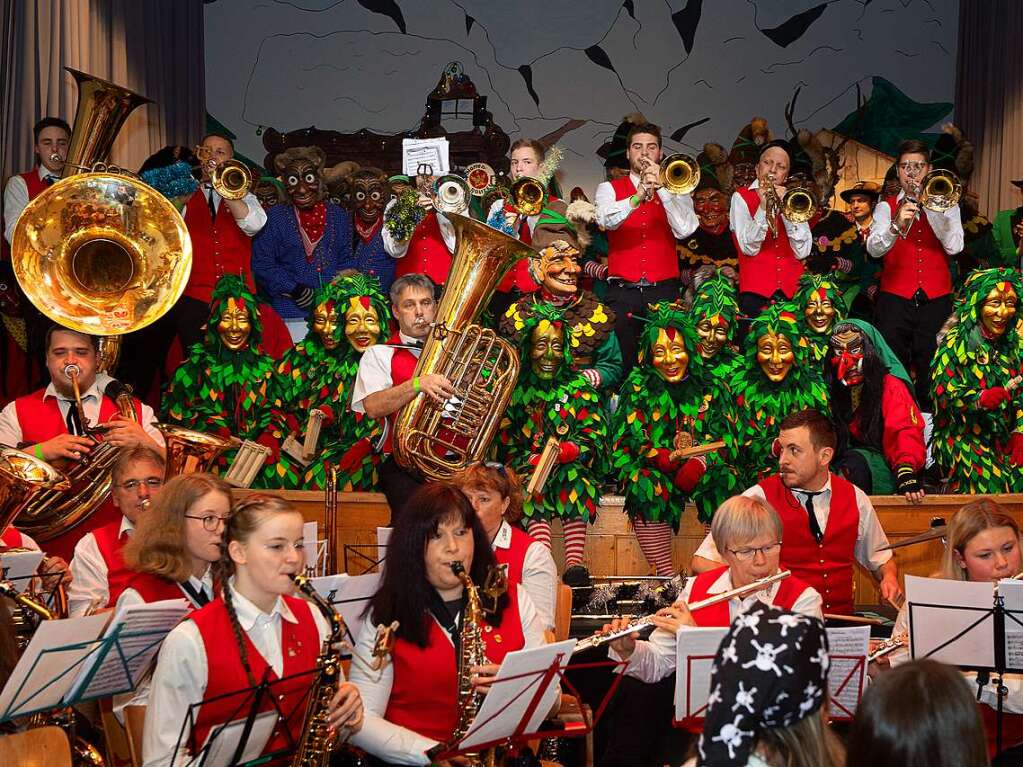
<point x="812" y="283"/>
<point x="717" y="297"/>
<point x="966" y="317"/>
<point x="232" y="286"/>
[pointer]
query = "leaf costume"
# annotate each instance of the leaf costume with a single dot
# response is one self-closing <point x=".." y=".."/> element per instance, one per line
<point x="717" y="300"/>
<point x="311" y="376"/>
<point x="217" y="390"/>
<point x="763" y="404"/>
<point x="653" y="411"/>
<point x="566" y="407"/>
<point x="809" y="284"/>
<point x="970" y="441"/>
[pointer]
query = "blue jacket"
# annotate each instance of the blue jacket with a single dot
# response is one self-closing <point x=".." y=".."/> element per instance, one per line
<point x="278" y="256"/>
<point x="372" y="259"/>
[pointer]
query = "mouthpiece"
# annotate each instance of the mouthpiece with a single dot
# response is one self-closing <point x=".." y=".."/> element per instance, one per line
<point x="71" y="369"/>
<point x="457" y="568"/>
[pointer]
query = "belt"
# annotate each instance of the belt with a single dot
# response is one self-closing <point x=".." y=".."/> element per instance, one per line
<point x="643" y="283"/>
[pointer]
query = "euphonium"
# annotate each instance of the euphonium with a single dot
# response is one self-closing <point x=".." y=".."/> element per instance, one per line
<point x="191" y="451"/>
<point x="231" y="179"/>
<point x="441" y="440"/>
<point x="680" y="173"/>
<point x="317" y="743"/>
<point x="798" y="205"/>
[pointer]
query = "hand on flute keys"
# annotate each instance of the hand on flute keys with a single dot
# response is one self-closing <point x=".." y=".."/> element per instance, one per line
<point x="623" y="646"/>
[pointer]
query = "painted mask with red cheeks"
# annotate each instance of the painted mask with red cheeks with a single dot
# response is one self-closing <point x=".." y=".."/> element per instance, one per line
<point x="304" y="183"/>
<point x="712" y="210"/>
<point x="847" y="351"/>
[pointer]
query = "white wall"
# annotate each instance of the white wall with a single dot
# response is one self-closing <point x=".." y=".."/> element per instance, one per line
<point x="336" y="65"/>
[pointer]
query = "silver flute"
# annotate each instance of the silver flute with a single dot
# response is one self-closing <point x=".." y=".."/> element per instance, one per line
<point x="597" y="640"/>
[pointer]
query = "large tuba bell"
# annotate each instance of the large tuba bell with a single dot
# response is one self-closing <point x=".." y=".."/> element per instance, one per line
<point x="191" y="451"/>
<point x="102" y="253"/>
<point x="440" y="440"/>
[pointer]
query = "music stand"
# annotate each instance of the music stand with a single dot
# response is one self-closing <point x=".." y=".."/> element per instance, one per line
<point x="370" y="562"/>
<point x="975" y="630"/>
<point x="252" y="716"/>
<point x="515" y="716"/>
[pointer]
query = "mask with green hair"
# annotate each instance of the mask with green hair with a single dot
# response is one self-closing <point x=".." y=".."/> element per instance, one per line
<point x="715" y="312"/>
<point x="820" y="302"/>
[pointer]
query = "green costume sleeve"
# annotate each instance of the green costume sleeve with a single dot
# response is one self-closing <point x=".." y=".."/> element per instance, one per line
<point x="1002" y="233"/>
<point x="608" y="362"/>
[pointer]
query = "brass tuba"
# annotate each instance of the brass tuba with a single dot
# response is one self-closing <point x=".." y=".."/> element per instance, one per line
<point x="191" y="451"/>
<point x="99" y="252"/>
<point x="439" y="441"/>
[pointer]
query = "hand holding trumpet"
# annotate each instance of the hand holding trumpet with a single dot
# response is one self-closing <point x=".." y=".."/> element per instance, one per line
<point x="649" y="180"/>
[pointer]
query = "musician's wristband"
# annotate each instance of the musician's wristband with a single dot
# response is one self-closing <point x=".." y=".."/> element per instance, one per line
<point x="416" y="386"/>
<point x="38" y="450"/>
<point x="634" y="201"/>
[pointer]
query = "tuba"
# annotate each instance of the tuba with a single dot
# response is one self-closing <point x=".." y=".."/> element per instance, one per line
<point x="102" y="253"/>
<point x="441" y="440"/>
<point x="190" y="451"/>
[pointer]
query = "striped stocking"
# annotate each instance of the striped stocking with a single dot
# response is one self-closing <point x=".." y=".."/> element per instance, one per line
<point x="655" y="541"/>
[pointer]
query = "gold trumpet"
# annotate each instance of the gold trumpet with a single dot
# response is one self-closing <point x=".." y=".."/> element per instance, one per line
<point x="798" y="205"/>
<point x="679" y="174"/>
<point x="231" y="179"/>
<point x="451" y="194"/>
<point x="939" y="190"/>
<point x="527" y="195"/>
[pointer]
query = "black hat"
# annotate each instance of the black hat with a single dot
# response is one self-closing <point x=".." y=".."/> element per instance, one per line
<point x="1017" y="183"/>
<point x="866" y="188"/>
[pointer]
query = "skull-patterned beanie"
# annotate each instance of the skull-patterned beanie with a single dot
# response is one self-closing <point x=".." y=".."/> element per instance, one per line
<point x="770" y="671"/>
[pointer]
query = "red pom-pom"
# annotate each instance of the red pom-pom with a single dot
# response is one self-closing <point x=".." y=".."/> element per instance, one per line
<point x="568" y="452"/>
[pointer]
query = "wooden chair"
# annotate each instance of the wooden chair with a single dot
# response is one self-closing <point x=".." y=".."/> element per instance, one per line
<point x="38" y="747"/>
<point x="134" y="719"/>
<point x="573" y="710"/>
<point x="119" y="751"/>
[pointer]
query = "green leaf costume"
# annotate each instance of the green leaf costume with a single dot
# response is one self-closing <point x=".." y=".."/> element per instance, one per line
<point x="970" y="441"/>
<point x="717" y="301"/>
<point x="809" y="284"/>
<point x="566" y="407"/>
<point x="651" y="412"/>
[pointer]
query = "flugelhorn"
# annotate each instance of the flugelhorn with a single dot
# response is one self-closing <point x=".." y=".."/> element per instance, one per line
<point x="597" y="640"/>
<point x="231" y="179"/>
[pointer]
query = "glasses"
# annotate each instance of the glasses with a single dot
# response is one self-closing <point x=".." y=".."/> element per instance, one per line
<point x="745" y="555"/>
<point x="134" y="484"/>
<point x="210" y="522"/>
<point x="495" y="465"/>
<point x="912" y="166"/>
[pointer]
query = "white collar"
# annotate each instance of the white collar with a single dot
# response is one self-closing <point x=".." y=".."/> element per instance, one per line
<point x="249" y="615"/>
<point x="504" y="536"/>
<point x="410" y="339"/>
<point x="92" y="391"/>
<point x="755" y="184"/>
<point x="825" y="488"/>
<point x="43" y="172"/>
<point x="634" y="179"/>
<point x="127" y="526"/>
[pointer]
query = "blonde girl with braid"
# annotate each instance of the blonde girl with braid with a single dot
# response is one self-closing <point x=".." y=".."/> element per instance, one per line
<point x="255" y="631"/>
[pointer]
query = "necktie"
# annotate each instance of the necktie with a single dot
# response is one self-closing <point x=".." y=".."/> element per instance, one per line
<point x="815" y="527"/>
<point x="213" y="205"/>
<point x="74" y="425"/>
<point x="49" y="180"/>
<point x="198" y="596"/>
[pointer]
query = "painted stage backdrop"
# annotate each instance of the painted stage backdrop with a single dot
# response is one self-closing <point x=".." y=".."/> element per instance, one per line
<point x="699" y="68"/>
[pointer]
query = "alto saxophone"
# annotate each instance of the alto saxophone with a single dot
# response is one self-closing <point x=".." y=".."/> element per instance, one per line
<point x="314" y="749"/>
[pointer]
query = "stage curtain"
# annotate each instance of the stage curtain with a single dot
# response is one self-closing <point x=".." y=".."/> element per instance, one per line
<point x="989" y="97"/>
<point x="153" y="47"/>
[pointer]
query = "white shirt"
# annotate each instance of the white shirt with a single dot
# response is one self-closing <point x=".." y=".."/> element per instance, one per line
<point x="251" y="222"/>
<point x="89" y="573"/>
<point x="655" y="658"/>
<point x="16" y="199"/>
<point x="27" y="542"/>
<point x="947" y="226"/>
<point x="375" y="375"/>
<point x="182" y="671"/>
<point x="751" y="231"/>
<point x="539" y="574"/>
<point x="498" y="207"/>
<point x="10" y="429"/>
<point x="396" y="249"/>
<point x="390" y="742"/>
<point x="870" y="536"/>
<point x="611" y="213"/>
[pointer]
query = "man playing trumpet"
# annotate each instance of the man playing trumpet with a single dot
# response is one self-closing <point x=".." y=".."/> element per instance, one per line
<point x="642" y="221"/>
<point x="771" y="248"/>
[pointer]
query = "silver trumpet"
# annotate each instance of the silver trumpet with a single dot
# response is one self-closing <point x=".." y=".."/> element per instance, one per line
<point x="602" y="638"/>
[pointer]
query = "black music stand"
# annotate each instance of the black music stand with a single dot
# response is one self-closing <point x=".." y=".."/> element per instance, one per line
<point x="993" y="620"/>
<point x="368" y="562"/>
<point x="253" y="711"/>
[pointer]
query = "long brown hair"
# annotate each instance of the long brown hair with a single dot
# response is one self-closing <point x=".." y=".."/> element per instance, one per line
<point x="158" y="544"/>
<point x="246" y="517"/>
<point x="810" y="742"/>
<point x="971" y="519"/>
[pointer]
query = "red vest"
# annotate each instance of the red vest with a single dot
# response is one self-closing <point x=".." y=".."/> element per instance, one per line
<point x="403" y="365"/>
<point x="644" y="245"/>
<point x="827" y="566"/>
<point x="110" y="543"/>
<point x="153" y="588"/>
<point x="424" y="694"/>
<point x="715" y="616"/>
<point x="775" y="267"/>
<point x="40" y="419"/>
<point x="1012" y="727"/>
<point x="519" y="278"/>
<point x="300" y="646"/>
<point x="917" y="261"/>
<point x="515" y="555"/>
<point x="427" y="253"/>
<point x="36" y="186"/>
<point x="217" y="248"/>
<point x="11" y="538"/>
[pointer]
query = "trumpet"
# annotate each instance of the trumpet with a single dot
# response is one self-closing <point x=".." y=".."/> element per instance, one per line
<point x="939" y="190"/>
<point x="679" y="174"/>
<point x="451" y="194"/>
<point x="761" y="584"/>
<point x="231" y="179"/>
<point x="798" y="205"/>
<point x="772" y="205"/>
<point x="527" y="195"/>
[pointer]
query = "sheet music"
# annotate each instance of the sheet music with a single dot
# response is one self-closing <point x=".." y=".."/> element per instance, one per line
<point x="18" y="567"/>
<point x="425" y="151"/>
<point x="42" y="679"/>
<point x="349" y="595"/>
<point x="140" y="630"/>
<point x="507" y="702"/>
<point x="1012" y="594"/>
<point x="383" y="538"/>
<point x="855" y="643"/>
<point x="220" y="745"/>
<point x="937" y="615"/>
<point x="696" y="648"/>
<point x="310" y="540"/>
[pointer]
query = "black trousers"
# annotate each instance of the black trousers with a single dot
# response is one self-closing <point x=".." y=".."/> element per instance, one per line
<point x="910" y="327"/>
<point x="627" y="299"/>
<point x="397" y="484"/>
